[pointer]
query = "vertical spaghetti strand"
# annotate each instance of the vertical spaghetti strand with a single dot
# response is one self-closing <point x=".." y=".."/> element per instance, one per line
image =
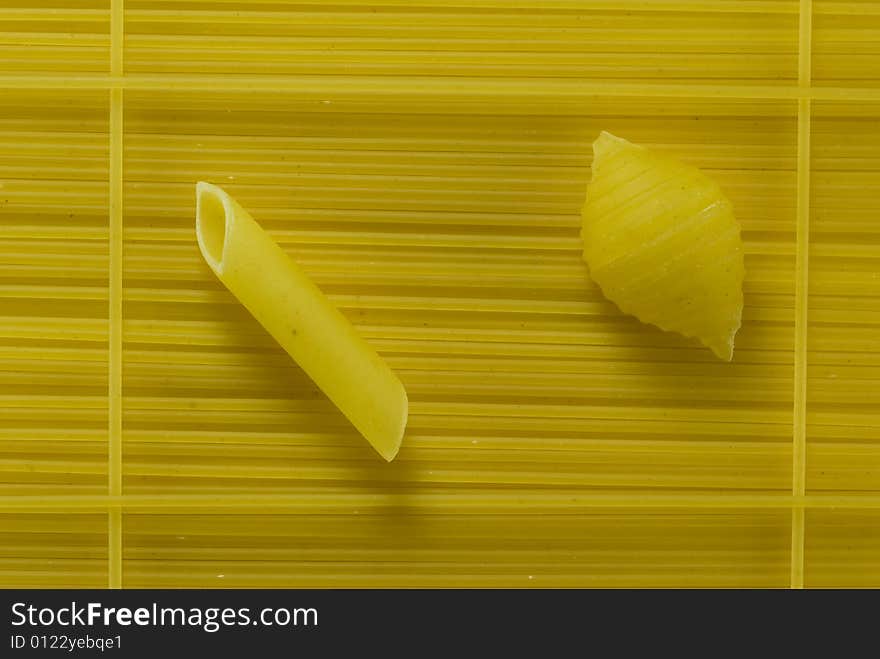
<point x="114" y="471"/>
<point x="799" y="447"/>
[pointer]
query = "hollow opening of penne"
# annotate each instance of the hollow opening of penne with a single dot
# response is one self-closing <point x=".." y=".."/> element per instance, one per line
<point x="211" y="218"/>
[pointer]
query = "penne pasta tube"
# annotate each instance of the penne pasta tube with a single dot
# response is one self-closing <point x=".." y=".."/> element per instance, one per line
<point x="301" y="318"/>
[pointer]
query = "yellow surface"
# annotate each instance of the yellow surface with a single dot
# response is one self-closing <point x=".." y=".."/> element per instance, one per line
<point x="662" y="243"/>
<point x="425" y="164"/>
<point x="300" y="317"/>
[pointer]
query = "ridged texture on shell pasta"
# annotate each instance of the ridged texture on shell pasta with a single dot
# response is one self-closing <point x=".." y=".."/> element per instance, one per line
<point x="661" y="241"/>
